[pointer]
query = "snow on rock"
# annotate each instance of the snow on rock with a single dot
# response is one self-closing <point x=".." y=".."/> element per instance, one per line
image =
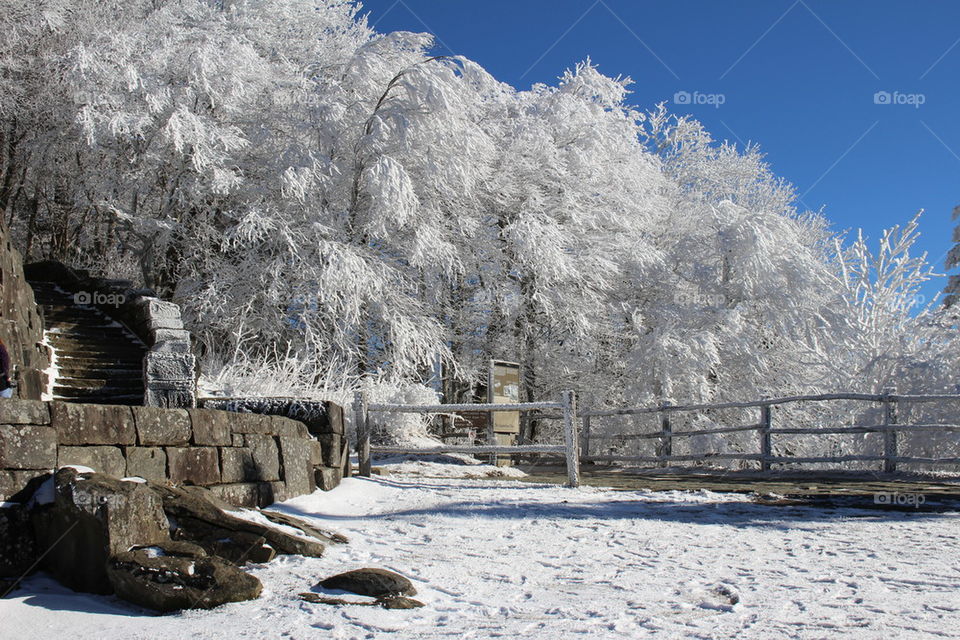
<point x="520" y="560"/>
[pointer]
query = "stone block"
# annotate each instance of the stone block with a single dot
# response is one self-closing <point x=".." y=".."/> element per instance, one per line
<point x="193" y="465"/>
<point x="327" y="479"/>
<point x="238" y="440"/>
<point x="86" y="424"/>
<point x="210" y="428"/>
<point x="157" y="426"/>
<point x="331" y="444"/>
<point x="106" y="460"/>
<point x="316" y="453"/>
<point x="169" y="398"/>
<point x="271" y="492"/>
<point x="297" y="470"/>
<point x="18" y="486"/>
<point x="149" y="463"/>
<point x="27" y="447"/>
<point x="169" y="366"/>
<point x="251" y="423"/>
<point x="266" y="456"/>
<point x="282" y="426"/>
<point x="24" y="412"/>
<point x="157" y="336"/>
<point x="240" y="494"/>
<point x="236" y="465"/>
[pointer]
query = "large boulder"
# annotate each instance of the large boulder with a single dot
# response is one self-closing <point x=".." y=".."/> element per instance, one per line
<point x="165" y="577"/>
<point x="377" y="583"/>
<point x="82" y="519"/>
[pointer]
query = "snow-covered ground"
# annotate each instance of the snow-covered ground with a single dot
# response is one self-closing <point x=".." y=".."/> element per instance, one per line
<point x="496" y="558"/>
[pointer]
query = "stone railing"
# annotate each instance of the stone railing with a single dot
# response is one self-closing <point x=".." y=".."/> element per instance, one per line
<point x="169" y="368"/>
<point x="20" y="325"/>
<point x="246" y="459"/>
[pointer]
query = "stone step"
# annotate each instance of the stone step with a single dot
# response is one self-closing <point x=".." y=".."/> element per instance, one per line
<point x="100" y="371"/>
<point x="67" y="360"/>
<point x="99" y="383"/>
<point x="104" y="345"/>
<point x="103" y="392"/>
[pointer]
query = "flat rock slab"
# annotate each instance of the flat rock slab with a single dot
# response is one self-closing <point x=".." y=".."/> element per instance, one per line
<point x="377" y="583"/>
<point x="391" y="602"/>
<point x="166" y="579"/>
<point x="202" y="517"/>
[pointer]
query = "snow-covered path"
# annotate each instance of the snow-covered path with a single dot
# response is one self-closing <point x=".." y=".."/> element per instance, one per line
<point x="516" y="560"/>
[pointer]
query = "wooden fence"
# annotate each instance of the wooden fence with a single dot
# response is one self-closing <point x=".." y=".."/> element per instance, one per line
<point x="570" y="449"/>
<point x="765" y="430"/>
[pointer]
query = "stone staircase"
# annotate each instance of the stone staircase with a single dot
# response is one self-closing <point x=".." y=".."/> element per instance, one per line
<point x="96" y="359"/>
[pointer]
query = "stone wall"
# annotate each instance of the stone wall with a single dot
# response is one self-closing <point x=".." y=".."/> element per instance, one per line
<point x="20" y="325"/>
<point x="246" y="459"/>
<point x="324" y="421"/>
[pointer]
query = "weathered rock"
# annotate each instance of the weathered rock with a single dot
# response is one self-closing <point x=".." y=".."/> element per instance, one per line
<point x="236" y="465"/>
<point x="18" y="545"/>
<point x="210" y="428"/>
<point x="203" y="518"/>
<point x="18" y="486"/>
<point x="239" y="494"/>
<point x="266" y="457"/>
<point x="242" y="547"/>
<point x="162" y="426"/>
<point x="391" y="602"/>
<point x="193" y="465"/>
<point x="169" y="366"/>
<point x="149" y="463"/>
<point x="286" y="427"/>
<point x="399" y="602"/>
<point x="297" y="523"/>
<point x="331" y="446"/>
<point x="327" y="479"/>
<point x="24" y="412"/>
<point x="172" y="581"/>
<point x="105" y="460"/>
<point x="27" y="447"/>
<point x="91" y="518"/>
<point x="271" y="492"/>
<point x="83" y="424"/>
<point x="377" y="583"/>
<point x="297" y="471"/>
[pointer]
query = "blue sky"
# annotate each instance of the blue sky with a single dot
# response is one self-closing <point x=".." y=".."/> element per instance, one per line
<point x="799" y="77"/>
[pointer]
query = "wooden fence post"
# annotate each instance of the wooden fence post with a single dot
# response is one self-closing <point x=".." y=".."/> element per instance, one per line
<point x="362" y="425"/>
<point x="766" y="420"/>
<point x="889" y="435"/>
<point x="571" y="438"/>
<point x="585" y="437"/>
<point x="666" y="441"/>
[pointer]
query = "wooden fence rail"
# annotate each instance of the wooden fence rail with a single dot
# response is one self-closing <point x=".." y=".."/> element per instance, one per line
<point x="568" y="406"/>
<point x="890" y="430"/>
